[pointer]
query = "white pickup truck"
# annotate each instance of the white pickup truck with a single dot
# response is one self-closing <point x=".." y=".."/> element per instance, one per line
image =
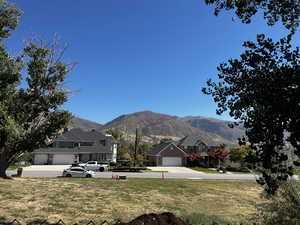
<point x="94" y="165"/>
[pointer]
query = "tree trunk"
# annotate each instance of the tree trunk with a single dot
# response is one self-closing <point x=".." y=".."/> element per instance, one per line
<point x="3" y="167"/>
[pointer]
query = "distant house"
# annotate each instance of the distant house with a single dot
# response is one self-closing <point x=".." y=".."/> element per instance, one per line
<point x="77" y="145"/>
<point x="175" y="154"/>
<point x="197" y="144"/>
<point x="167" y="154"/>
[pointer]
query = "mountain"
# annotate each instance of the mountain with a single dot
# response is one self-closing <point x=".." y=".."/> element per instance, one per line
<point x="159" y="126"/>
<point x="212" y="125"/>
<point x="84" y="124"/>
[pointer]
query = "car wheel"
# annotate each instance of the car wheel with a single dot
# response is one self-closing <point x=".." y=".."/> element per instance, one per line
<point x="101" y="169"/>
<point x="68" y="175"/>
<point x="88" y="176"/>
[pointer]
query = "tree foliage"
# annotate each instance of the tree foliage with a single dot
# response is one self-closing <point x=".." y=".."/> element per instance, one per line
<point x="194" y="159"/>
<point x="30" y="117"/>
<point x="144" y="148"/>
<point x="241" y="154"/>
<point x="126" y="156"/>
<point x="282" y="208"/>
<point x="219" y="154"/>
<point x="262" y="90"/>
<point x="288" y="11"/>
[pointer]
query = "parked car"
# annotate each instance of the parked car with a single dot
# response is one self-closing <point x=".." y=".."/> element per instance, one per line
<point x="78" y="172"/>
<point x="94" y="165"/>
<point x="77" y="165"/>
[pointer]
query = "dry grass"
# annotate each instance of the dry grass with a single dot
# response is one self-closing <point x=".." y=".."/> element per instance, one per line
<point x="80" y="200"/>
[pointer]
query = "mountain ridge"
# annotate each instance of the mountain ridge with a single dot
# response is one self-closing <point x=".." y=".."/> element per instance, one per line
<point x="84" y="124"/>
<point x="156" y="126"/>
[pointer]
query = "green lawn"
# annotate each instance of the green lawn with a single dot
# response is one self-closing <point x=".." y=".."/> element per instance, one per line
<point x="208" y="170"/>
<point x="80" y="200"/>
<point x="297" y="171"/>
<point x="14" y="167"/>
<point x="204" y="170"/>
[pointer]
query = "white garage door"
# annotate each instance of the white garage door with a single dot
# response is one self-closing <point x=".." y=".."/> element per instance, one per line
<point x="60" y="159"/>
<point x="40" y="159"/>
<point x="172" y="161"/>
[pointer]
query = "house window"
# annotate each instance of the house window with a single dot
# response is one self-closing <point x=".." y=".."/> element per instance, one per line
<point x="86" y="143"/>
<point x="103" y="142"/>
<point x="65" y="144"/>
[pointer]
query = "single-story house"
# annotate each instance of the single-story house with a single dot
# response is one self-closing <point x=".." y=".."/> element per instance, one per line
<point x="167" y="154"/>
<point x="77" y="145"/>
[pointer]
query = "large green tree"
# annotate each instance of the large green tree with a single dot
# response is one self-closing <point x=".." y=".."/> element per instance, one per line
<point x="30" y="117"/>
<point x="262" y="89"/>
<point x="288" y="11"/>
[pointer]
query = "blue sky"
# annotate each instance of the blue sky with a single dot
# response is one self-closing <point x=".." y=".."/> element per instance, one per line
<point x="137" y="55"/>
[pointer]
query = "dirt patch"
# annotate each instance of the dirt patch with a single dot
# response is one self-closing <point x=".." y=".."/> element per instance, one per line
<point x="156" y="219"/>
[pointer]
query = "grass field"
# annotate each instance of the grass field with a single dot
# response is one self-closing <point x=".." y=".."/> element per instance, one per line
<point x="204" y="170"/>
<point x="14" y="167"/>
<point x="80" y="200"/>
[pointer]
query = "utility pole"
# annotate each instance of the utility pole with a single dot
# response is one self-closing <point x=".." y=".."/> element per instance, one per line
<point x="135" y="147"/>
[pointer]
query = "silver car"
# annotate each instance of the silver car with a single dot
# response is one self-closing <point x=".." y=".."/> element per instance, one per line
<point x="78" y="172"/>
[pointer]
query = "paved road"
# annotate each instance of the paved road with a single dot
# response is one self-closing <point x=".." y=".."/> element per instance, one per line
<point x="57" y="173"/>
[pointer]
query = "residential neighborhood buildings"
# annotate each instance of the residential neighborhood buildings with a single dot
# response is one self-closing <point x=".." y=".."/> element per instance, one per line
<point x="77" y="145"/>
<point x="167" y="154"/>
<point x="176" y="153"/>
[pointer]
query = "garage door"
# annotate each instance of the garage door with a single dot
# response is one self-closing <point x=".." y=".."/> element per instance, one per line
<point x="40" y="159"/>
<point x="172" y="161"/>
<point x="60" y="159"/>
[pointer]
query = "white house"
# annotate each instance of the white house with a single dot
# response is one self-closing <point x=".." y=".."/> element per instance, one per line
<point x="77" y="145"/>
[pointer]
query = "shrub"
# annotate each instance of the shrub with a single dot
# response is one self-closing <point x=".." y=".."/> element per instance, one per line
<point x="194" y="159"/>
<point x="282" y="208"/>
<point x="112" y="164"/>
<point x="126" y="156"/>
<point x="140" y="160"/>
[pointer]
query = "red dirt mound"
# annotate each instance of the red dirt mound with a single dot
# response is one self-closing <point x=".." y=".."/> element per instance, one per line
<point x="156" y="219"/>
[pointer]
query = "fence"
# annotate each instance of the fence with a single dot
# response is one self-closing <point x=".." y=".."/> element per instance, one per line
<point x="61" y="222"/>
